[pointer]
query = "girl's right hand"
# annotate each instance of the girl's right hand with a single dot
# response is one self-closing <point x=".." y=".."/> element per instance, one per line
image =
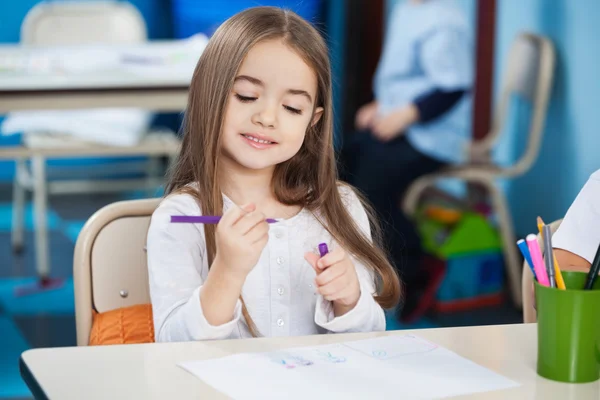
<point x="241" y="236"/>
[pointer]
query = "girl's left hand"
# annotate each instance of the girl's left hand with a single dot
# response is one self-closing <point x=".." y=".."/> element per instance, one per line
<point x="336" y="279"/>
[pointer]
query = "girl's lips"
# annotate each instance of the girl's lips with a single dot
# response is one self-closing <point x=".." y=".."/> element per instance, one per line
<point x="257" y="145"/>
<point x="259" y="136"/>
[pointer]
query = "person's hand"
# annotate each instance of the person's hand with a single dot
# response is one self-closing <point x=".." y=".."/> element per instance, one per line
<point x="336" y="279"/>
<point x="241" y="236"/>
<point x="366" y="115"/>
<point x="395" y="123"/>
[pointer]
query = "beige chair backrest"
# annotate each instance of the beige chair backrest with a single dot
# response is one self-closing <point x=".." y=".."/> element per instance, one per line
<point x="109" y="267"/>
<point x="75" y="23"/>
<point x="529" y="74"/>
<point x="529" y="314"/>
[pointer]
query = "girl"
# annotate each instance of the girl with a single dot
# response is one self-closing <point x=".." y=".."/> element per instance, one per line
<point x="258" y="143"/>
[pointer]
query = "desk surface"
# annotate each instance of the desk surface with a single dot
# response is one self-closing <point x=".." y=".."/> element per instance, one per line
<point x="103" y="80"/>
<point x="149" y="371"/>
<point x="156" y="64"/>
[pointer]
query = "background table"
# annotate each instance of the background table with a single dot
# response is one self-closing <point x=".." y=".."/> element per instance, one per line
<point x="136" y="78"/>
<point x="152" y="75"/>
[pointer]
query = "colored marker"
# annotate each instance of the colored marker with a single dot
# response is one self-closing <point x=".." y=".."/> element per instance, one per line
<point x="549" y="255"/>
<point x="525" y="251"/>
<point x="593" y="274"/>
<point x="536" y="257"/>
<point x="560" y="282"/>
<point x="323" y="250"/>
<point x="205" y="219"/>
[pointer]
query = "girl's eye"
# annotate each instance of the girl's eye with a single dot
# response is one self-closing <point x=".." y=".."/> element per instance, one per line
<point x="293" y="110"/>
<point x="245" y="99"/>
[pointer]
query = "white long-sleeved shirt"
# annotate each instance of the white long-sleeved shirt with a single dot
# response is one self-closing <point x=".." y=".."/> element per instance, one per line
<point x="279" y="292"/>
<point x="579" y="231"/>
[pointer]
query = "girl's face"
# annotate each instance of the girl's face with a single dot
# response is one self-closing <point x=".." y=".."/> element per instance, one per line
<point x="270" y="107"/>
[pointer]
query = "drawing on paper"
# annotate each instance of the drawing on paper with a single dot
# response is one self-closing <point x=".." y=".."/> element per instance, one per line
<point x="379" y="353"/>
<point x="290" y="361"/>
<point x="386" y="348"/>
<point x="330" y="357"/>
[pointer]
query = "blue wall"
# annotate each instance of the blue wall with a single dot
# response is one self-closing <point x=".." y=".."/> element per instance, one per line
<point x="156" y="12"/>
<point x="571" y="142"/>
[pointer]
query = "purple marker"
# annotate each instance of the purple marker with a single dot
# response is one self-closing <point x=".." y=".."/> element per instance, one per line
<point x="323" y="250"/>
<point x="204" y="219"/>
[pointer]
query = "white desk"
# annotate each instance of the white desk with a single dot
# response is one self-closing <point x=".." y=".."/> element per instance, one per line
<point x="149" y="371"/>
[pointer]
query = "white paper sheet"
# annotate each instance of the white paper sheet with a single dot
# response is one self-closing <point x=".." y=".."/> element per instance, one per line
<point x="406" y="367"/>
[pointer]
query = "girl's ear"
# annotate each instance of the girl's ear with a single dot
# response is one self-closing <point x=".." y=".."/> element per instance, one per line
<point x="316" y="116"/>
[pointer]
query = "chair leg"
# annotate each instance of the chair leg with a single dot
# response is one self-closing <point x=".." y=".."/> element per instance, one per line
<point x="511" y="256"/>
<point x="18" y="211"/>
<point x="414" y="192"/>
<point x="40" y="206"/>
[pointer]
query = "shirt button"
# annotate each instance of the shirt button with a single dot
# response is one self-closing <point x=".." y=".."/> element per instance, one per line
<point x="280" y="290"/>
<point x="280" y="260"/>
<point x="280" y="322"/>
<point x="278" y="234"/>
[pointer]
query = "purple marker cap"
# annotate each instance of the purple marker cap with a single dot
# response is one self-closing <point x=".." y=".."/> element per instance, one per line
<point x="323" y="250"/>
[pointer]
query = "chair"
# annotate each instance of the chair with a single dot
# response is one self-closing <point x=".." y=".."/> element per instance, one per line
<point x="529" y="313"/>
<point x="109" y="265"/>
<point x="79" y="23"/>
<point x="529" y="75"/>
<point x="75" y="23"/>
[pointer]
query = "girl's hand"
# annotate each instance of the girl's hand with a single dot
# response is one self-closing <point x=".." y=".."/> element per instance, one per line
<point x="241" y="236"/>
<point x="336" y="279"/>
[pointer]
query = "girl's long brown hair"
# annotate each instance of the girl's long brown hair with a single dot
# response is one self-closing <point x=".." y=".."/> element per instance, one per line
<point x="309" y="179"/>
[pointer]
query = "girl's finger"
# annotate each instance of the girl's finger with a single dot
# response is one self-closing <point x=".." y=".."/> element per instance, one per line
<point x="331" y="258"/>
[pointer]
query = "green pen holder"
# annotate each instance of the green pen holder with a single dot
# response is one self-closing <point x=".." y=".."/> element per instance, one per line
<point x="569" y="330"/>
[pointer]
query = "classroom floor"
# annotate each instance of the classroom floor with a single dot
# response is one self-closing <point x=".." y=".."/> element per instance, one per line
<point x="47" y="319"/>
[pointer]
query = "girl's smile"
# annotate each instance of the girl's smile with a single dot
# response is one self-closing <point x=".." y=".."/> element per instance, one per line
<point x="258" y="141"/>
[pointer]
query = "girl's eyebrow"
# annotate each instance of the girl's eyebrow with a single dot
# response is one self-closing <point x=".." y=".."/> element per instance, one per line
<point x="301" y="93"/>
<point x="250" y="79"/>
<point x="258" y="82"/>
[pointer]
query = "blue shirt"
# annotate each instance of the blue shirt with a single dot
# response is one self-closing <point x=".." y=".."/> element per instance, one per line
<point x="428" y="46"/>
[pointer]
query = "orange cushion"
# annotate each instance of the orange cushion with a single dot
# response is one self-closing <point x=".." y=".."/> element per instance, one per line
<point x="123" y="326"/>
